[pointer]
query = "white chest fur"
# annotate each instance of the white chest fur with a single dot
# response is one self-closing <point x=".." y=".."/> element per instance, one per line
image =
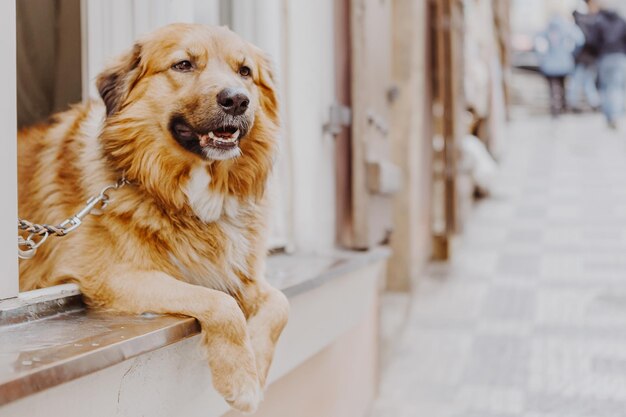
<point x="206" y="204"/>
<point x="223" y="210"/>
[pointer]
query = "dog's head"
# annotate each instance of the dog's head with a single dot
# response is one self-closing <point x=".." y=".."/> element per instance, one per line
<point x="186" y="94"/>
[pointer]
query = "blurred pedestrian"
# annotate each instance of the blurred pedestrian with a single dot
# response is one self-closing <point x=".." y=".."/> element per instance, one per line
<point x="611" y="45"/>
<point x="585" y="76"/>
<point x="555" y="47"/>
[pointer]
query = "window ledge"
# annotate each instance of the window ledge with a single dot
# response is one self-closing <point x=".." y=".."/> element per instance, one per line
<point x="49" y="339"/>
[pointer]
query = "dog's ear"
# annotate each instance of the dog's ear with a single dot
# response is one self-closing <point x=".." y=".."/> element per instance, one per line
<point x="267" y="85"/>
<point x="115" y="83"/>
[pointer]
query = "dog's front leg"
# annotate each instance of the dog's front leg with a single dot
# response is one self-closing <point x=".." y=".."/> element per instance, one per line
<point x="224" y="334"/>
<point x="267" y="309"/>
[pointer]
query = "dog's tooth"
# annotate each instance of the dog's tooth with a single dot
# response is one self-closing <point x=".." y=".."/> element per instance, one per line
<point x="204" y="140"/>
<point x="212" y="135"/>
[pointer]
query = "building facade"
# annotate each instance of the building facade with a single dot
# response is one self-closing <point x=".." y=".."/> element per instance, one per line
<point x="367" y="189"/>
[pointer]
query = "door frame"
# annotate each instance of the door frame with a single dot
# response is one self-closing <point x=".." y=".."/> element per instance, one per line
<point x="9" y="280"/>
<point x="343" y="144"/>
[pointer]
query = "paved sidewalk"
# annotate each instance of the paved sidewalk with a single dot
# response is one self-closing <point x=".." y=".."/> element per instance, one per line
<point x="530" y="317"/>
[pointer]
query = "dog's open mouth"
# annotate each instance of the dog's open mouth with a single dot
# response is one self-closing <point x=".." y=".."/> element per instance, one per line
<point x="222" y="138"/>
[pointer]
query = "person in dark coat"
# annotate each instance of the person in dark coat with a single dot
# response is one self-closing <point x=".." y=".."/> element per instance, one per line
<point x="611" y="45"/>
<point x="584" y="78"/>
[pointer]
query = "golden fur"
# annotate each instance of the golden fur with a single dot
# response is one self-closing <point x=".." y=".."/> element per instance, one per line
<point x="188" y="235"/>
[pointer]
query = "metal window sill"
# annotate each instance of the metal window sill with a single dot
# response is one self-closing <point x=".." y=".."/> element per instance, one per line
<point x="46" y="340"/>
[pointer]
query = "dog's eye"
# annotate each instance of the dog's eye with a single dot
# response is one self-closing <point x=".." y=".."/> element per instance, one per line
<point x="245" y="71"/>
<point x="183" y="66"/>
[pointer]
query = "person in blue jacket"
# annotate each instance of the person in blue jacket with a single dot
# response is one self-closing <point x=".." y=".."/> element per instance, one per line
<point x="555" y="47"/>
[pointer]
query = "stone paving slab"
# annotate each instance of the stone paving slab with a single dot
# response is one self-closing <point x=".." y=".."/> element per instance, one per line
<point x="529" y="318"/>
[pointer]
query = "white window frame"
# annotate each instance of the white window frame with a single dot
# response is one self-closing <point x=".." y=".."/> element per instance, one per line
<point x="9" y="280"/>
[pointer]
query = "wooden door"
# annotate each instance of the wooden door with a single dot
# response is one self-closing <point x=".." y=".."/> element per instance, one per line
<point x="374" y="177"/>
<point x="448" y="127"/>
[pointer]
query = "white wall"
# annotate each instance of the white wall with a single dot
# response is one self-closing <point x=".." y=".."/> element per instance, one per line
<point x="175" y="381"/>
<point x="311" y="85"/>
<point x="8" y="156"/>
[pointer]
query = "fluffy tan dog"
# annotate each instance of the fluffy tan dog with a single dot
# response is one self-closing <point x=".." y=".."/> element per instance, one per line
<point x="189" y="118"/>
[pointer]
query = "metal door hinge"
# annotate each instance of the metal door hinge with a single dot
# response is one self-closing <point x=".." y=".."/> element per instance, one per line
<point x="340" y="116"/>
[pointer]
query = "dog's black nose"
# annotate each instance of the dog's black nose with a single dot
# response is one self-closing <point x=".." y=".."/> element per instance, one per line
<point x="234" y="101"/>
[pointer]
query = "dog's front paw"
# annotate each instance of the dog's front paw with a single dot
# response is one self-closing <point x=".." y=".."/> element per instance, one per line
<point x="245" y="394"/>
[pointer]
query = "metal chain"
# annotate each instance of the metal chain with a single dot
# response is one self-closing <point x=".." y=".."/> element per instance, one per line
<point x="38" y="233"/>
